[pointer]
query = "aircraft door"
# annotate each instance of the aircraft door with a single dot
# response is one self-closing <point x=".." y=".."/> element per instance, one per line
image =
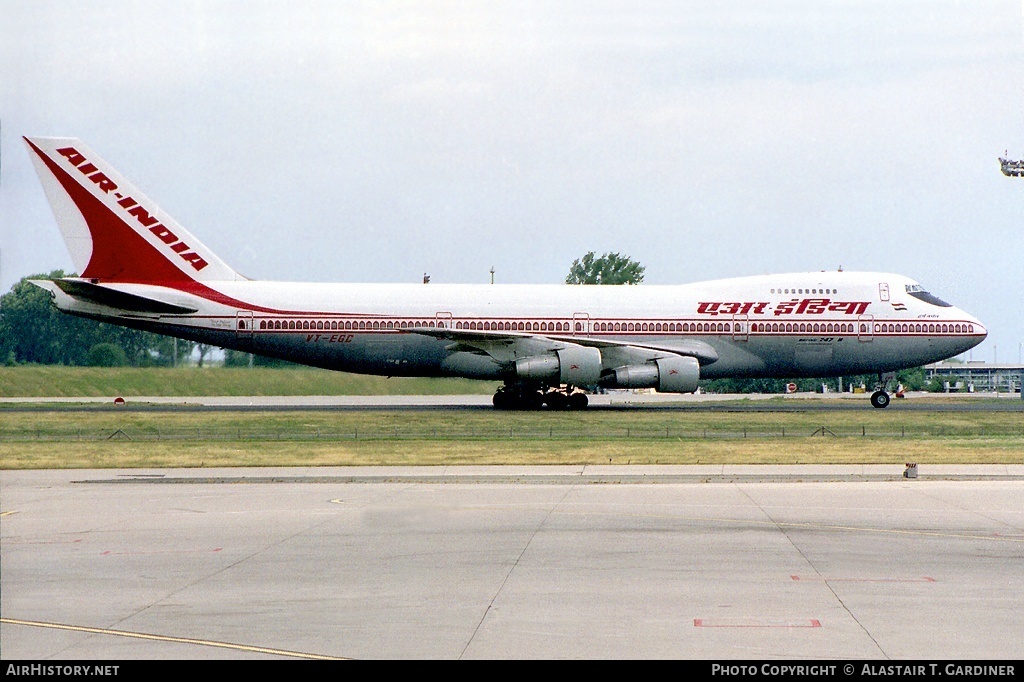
<point x="243" y="324"/>
<point x="580" y="324"/>
<point x="444" y="320"/>
<point x="883" y="291"/>
<point x="740" y="327"/>
<point x="866" y="328"/>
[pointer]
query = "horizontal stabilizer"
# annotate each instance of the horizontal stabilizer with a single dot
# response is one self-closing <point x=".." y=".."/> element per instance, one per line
<point x="101" y="295"/>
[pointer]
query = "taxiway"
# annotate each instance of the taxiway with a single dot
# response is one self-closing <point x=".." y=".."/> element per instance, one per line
<point x="512" y="562"/>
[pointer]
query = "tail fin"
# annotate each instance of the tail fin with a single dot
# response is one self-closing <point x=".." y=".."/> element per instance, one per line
<point x="113" y="231"/>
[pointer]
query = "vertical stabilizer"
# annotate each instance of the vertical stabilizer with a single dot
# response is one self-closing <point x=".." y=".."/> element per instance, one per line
<point x="113" y="231"/>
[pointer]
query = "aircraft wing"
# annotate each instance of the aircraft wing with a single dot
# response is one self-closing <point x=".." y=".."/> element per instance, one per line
<point x="506" y="346"/>
<point x="703" y="352"/>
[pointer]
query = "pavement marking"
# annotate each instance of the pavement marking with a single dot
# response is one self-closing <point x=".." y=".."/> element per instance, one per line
<point x="823" y="579"/>
<point x="7" y="513"/>
<point x="175" y="640"/>
<point x="754" y="623"/>
<point x="110" y="552"/>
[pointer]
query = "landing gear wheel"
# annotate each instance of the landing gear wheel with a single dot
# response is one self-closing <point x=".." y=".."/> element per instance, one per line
<point x="517" y="398"/>
<point x="531" y="400"/>
<point x="556" y="400"/>
<point x="880" y="399"/>
<point x="502" y="400"/>
<point x="578" y="401"/>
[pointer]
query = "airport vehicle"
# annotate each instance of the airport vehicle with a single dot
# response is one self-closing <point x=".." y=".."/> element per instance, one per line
<point x="139" y="268"/>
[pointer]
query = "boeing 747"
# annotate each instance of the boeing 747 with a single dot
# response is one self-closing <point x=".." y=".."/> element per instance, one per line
<point x="546" y="343"/>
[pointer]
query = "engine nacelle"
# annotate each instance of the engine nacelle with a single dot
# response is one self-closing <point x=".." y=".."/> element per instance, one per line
<point x="538" y="367"/>
<point x="669" y="375"/>
<point x="573" y="365"/>
<point x="634" y="376"/>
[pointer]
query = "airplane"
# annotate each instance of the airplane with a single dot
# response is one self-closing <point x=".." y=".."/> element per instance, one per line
<point x="548" y="344"/>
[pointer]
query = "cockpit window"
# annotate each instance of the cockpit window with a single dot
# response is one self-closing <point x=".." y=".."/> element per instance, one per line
<point x="918" y="292"/>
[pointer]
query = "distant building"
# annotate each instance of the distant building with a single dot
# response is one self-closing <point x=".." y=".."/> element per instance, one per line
<point x="978" y="376"/>
<point x="1011" y="168"/>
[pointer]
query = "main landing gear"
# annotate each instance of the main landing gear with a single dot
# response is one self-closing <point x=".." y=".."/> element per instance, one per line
<point x="532" y="397"/>
<point x="880" y="398"/>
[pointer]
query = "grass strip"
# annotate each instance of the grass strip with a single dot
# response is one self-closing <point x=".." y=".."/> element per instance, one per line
<point x="48" y="381"/>
<point x="193" y="439"/>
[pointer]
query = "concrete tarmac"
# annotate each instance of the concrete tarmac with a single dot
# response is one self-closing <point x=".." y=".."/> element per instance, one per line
<point x="513" y="562"/>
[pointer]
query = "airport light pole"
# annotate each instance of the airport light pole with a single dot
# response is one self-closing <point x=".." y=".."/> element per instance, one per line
<point x="1013" y="169"/>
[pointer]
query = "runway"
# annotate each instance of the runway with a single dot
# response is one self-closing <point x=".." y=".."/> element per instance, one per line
<point x="614" y="401"/>
<point x="512" y="562"/>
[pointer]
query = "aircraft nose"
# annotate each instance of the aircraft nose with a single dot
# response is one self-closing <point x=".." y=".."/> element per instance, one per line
<point x="977" y="334"/>
<point x="980" y="331"/>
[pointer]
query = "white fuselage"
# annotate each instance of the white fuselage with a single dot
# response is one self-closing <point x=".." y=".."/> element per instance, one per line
<point x="805" y="324"/>
<point x="140" y="268"/>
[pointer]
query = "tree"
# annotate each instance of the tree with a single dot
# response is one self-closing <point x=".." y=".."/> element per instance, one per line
<point x="36" y="332"/>
<point x="107" y="355"/>
<point x="236" y="358"/>
<point x="33" y="330"/>
<point x="610" y="268"/>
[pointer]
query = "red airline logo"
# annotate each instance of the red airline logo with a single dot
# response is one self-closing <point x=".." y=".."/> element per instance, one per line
<point x="807" y="306"/>
<point x="133" y="208"/>
<point x="731" y="308"/>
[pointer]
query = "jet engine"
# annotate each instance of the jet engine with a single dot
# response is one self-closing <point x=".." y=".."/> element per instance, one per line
<point x="675" y="374"/>
<point x="573" y="365"/>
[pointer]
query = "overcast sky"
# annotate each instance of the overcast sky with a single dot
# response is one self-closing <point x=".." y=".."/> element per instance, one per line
<point x="376" y="141"/>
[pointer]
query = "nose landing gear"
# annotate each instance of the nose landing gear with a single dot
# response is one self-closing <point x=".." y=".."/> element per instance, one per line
<point x="880" y="398"/>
